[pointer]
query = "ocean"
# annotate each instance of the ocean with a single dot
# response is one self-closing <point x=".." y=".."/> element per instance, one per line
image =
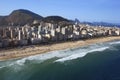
<point x="94" y="62"/>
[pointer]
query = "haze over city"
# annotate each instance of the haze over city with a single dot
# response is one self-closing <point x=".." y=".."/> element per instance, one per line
<point x="84" y="10"/>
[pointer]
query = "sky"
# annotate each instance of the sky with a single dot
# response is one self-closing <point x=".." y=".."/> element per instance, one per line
<point x="84" y="10"/>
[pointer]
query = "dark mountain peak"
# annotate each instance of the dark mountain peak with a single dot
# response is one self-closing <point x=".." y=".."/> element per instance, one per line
<point x="55" y="19"/>
<point x="22" y="17"/>
<point x="19" y="17"/>
<point x="77" y="21"/>
<point x="23" y="11"/>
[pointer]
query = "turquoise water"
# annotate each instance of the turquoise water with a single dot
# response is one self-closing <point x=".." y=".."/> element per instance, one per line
<point x="94" y="62"/>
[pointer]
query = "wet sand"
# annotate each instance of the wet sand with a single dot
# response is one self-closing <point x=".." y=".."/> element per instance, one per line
<point x="33" y="50"/>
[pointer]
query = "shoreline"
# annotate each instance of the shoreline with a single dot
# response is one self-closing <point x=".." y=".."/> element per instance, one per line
<point x="35" y="49"/>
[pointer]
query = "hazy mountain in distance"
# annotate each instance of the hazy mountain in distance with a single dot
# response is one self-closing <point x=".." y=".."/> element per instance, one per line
<point x="101" y="24"/>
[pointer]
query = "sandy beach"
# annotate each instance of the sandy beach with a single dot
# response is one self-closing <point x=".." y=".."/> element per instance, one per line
<point x="33" y="50"/>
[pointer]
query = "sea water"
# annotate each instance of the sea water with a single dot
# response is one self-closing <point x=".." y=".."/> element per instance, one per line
<point x="93" y="62"/>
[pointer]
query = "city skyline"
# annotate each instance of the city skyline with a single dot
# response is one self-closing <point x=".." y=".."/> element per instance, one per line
<point x="84" y="10"/>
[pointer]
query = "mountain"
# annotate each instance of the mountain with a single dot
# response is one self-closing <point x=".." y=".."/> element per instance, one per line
<point x="55" y="19"/>
<point x="22" y="17"/>
<point x="3" y="20"/>
<point x="101" y="24"/>
<point x="19" y="17"/>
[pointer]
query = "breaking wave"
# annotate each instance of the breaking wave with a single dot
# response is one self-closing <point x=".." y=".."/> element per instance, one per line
<point x="60" y="56"/>
<point x="115" y="42"/>
<point x="80" y="54"/>
<point x="36" y="58"/>
<point x="2" y="67"/>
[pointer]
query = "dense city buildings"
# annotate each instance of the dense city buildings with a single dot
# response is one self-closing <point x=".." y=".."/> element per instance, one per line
<point x="43" y="32"/>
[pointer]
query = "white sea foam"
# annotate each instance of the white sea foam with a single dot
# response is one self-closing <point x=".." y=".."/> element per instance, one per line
<point x="116" y="42"/>
<point x="62" y="55"/>
<point x="2" y="67"/>
<point x="42" y="57"/>
<point x="37" y="58"/>
<point x="80" y="54"/>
